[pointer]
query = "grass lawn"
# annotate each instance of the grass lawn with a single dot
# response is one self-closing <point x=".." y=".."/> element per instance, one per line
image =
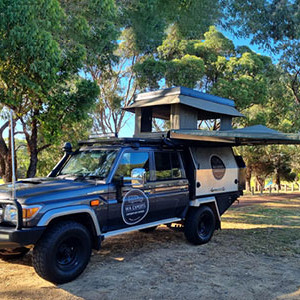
<point x="271" y="228"/>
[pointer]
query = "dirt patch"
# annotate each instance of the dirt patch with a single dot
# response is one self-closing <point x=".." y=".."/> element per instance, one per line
<point x="238" y="263"/>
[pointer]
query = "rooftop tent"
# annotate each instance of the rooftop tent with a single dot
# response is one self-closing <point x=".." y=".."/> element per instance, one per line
<point x="213" y="106"/>
<point x="253" y="135"/>
<point x="183" y="107"/>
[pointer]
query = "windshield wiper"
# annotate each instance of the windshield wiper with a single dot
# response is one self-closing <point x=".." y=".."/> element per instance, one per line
<point x="82" y="177"/>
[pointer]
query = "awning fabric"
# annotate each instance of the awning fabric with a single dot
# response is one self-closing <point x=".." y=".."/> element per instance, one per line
<point x="253" y="135"/>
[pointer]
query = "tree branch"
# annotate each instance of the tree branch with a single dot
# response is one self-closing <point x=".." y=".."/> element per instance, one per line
<point x="43" y="148"/>
<point x="3" y="127"/>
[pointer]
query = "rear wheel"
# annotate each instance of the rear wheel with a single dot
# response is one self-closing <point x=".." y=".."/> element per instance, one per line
<point x="8" y="254"/>
<point x="199" y="225"/>
<point x="63" y="252"/>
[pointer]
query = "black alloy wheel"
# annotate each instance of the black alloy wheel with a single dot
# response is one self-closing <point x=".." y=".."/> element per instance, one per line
<point x="200" y="225"/>
<point x="63" y="252"/>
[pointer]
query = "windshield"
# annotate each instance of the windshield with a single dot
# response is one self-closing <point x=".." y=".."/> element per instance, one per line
<point x="90" y="163"/>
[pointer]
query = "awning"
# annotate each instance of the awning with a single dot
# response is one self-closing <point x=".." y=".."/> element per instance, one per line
<point x="253" y="135"/>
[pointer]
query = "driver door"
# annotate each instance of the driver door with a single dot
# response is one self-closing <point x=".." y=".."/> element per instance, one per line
<point x="134" y="205"/>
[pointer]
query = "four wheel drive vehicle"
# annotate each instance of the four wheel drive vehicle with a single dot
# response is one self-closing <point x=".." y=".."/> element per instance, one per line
<point x="113" y="186"/>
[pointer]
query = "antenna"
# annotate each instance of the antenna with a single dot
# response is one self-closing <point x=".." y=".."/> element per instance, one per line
<point x="12" y="155"/>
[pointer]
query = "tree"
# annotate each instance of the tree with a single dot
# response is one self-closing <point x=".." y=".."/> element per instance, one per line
<point x="213" y="65"/>
<point x="264" y="92"/>
<point x="39" y="65"/>
<point x="268" y="23"/>
<point x="48" y="158"/>
<point x="144" y="25"/>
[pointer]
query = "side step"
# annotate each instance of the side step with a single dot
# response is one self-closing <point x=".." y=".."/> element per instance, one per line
<point x="142" y="226"/>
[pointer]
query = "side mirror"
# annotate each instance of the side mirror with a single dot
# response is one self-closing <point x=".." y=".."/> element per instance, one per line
<point x="138" y="176"/>
<point x="137" y="179"/>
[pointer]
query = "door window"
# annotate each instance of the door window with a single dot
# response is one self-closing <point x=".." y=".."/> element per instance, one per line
<point x="167" y="166"/>
<point x="132" y="160"/>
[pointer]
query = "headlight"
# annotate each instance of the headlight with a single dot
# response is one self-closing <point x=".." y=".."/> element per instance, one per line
<point x="29" y="212"/>
<point x="10" y="214"/>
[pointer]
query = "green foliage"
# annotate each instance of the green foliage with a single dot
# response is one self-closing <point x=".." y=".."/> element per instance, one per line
<point x="150" y="19"/>
<point x="30" y="56"/>
<point x="149" y="73"/>
<point x="173" y="46"/>
<point x="50" y="157"/>
<point x="134" y="66"/>
<point x="186" y="71"/>
<point x="267" y="22"/>
<point x="91" y="25"/>
<point x="67" y="109"/>
<point x="217" y="43"/>
<point x="146" y="19"/>
<point x="43" y="45"/>
<point x="213" y="64"/>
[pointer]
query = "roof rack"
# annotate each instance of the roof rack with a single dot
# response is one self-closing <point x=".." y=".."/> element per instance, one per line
<point x="122" y="141"/>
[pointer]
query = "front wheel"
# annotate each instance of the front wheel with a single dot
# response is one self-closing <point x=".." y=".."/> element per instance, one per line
<point x="199" y="225"/>
<point x="63" y="252"/>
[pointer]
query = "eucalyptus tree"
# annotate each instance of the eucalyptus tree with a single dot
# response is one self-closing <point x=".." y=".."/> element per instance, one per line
<point x="270" y="24"/>
<point x="143" y="26"/>
<point x="42" y="49"/>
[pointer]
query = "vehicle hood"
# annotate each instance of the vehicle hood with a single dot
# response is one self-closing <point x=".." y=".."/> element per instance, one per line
<point x="38" y="190"/>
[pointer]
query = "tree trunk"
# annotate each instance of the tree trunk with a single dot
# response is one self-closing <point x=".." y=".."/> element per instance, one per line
<point x="31" y="171"/>
<point x="2" y="165"/>
<point x="261" y="182"/>
<point x="32" y="146"/>
<point x="248" y="179"/>
<point x="277" y="179"/>
<point x="7" y="177"/>
<point x="5" y="154"/>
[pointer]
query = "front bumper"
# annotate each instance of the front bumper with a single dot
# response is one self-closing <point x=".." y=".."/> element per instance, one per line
<point x="13" y="238"/>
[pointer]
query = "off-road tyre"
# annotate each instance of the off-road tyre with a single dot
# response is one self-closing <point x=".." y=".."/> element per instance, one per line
<point x="63" y="252"/>
<point x="148" y="230"/>
<point x="199" y="225"/>
<point x="10" y="254"/>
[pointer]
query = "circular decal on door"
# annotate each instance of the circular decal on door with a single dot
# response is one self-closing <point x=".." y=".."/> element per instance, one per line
<point x="218" y="167"/>
<point x="135" y="207"/>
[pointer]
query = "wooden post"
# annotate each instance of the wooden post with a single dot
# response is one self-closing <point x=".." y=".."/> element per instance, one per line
<point x="270" y="189"/>
<point x="292" y="187"/>
<point x="252" y="190"/>
<point x="285" y="187"/>
<point x="261" y="190"/>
